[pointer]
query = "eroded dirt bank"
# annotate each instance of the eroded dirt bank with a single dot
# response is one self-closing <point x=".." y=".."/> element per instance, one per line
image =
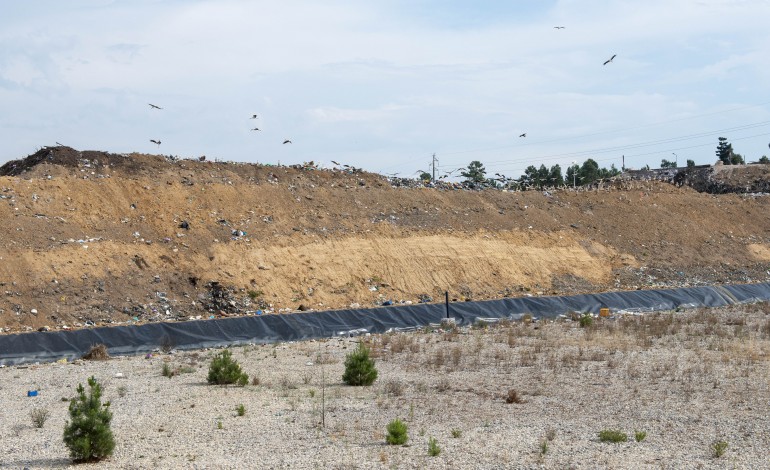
<point x="92" y="237"/>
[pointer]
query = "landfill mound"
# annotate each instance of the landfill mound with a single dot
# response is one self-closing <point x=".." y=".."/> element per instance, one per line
<point x="92" y="238"/>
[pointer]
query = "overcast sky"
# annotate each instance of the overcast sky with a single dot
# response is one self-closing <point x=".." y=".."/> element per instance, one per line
<point x="383" y="85"/>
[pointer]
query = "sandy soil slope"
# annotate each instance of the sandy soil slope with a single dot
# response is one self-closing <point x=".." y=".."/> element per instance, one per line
<point x="95" y="238"/>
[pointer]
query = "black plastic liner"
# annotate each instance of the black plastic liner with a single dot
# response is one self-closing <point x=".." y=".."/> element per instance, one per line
<point x="138" y="339"/>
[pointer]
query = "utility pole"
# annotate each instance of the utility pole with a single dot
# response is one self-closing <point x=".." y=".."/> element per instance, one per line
<point x="433" y="164"/>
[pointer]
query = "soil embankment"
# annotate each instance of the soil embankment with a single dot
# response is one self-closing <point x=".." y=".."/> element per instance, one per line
<point x="90" y="237"/>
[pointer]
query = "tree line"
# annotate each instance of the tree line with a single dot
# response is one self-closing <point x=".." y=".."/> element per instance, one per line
<point x="576" y="175"/>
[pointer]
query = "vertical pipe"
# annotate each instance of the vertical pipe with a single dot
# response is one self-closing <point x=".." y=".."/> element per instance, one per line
<point x="446" y="300"/>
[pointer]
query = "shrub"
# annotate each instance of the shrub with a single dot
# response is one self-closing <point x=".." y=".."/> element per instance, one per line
<point x="586" y="320"/>
<point x="225" y="370"/>
<point x="98" y="352"/>
<point x="433" y="448"/>
<point x="397" y="433"/>
<point x="166" y="370"/>
<point x="456" y="433"/>
<point x="639" y="436"/>
<point x="359" y="367"/>
<point x="240" y="409"/>
<point x="718" y="448"/>
<point x="612" y="435"/>
<point x="39" y="416"/>
<point x="88" y="435"/>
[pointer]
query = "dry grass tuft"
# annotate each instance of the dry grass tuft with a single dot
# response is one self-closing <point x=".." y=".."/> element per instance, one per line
<point x="98" y="352"/>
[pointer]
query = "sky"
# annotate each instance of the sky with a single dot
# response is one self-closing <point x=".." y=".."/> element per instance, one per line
<point x="383" y="85"/>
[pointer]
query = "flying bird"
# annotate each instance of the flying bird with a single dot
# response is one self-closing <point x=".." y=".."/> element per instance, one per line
<point x="60" y="145"/>
<point x="253" y="116"/>
<point x="523" y="135"/>
<point x="558" y="27"/>
<point x="255" y="129"/>
<point x="154" y="106"/>
<point x="336" y="163"/>
<point x="610" y="59"/>
<point x="287" y="141"/>
<point x="156" y="142"/>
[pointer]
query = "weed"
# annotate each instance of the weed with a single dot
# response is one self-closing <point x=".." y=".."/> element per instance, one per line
<point x="612" y="435"/>
<point x="166" y="371"/>
<point x="240" y="409"/>
<point x="586" y="320"/>
<point x="394" y="388"/>
<point x="311" y="392"/>
<point x="456" y="433"/>
<point x="220" y="425"/>
<point x="544" y="447"/>
<point x="513" y="397"/>
<point x="718" y="448"/>
<point x="640" y="435"/>
<point x="443" y="385"/>
<point x="433" y="448"/>
<point x="39" y="416"/>
<point x="397" y="432"/>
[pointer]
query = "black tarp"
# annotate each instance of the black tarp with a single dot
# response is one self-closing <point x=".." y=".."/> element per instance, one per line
<point x="137" y="339"/>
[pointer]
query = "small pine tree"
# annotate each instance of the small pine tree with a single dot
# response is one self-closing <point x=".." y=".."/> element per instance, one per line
<point x="359" y="367"/>
<point x="88" y="436"/>
<point x="225" y="370"/>
<point x="397" y="433"/>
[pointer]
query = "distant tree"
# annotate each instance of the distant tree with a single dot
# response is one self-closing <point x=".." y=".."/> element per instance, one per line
<point x="572" y="175"/>
<point x="589" y="172"/>
<point x="667" y="164"/>
<point x="475" y="172"/>
<point x="608" y="173"/>
<point x="726" y="154"/>
<point x="690" y="163"/>
<point x="425" y="176"/>
<point x="554" y="176"/>
<point x="646" y="167"/>
<point x="764" y="159"/>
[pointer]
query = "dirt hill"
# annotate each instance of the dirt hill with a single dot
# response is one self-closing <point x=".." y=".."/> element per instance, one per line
<point x="90" y="237"/>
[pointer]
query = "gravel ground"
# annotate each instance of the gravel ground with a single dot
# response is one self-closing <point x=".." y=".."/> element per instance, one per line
<point x="686" y="379"/>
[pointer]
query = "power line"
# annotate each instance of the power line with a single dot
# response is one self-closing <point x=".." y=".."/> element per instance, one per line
<point x="611" y="131"/>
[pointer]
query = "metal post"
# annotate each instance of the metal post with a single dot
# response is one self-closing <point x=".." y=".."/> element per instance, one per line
<point x="446" y="299"/>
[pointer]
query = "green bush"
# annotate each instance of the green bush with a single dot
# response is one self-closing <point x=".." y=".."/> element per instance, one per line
<point x="586" y="320"/>
<point x="433" y="448"/>
<point x="240" y="409"/>
<point x="359" y="367"/>
<point x="225" y="370"/>
<point x="640" y="435"/>
<point x="612" y="435"/>
<point x="88" y="435"/>
<point x="397" y="433"/>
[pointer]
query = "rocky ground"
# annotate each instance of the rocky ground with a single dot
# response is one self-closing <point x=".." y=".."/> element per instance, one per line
<point x="518" y="395"/>
<point x="90" y="238"/>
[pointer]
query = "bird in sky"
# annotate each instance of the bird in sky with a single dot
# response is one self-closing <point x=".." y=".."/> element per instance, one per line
<point x="156" y="142"/>
<point x="255" y="129"/>
<point x="253" y="116"/>
<point x="154" y="106"/>
<point x="610" y="59"/>
<point x="60" y="145"/>
<point x="287" y="141"/>
<point x="559" y="27"/>
<point x="523" y="135"/>
<point x="336" y="163"/>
